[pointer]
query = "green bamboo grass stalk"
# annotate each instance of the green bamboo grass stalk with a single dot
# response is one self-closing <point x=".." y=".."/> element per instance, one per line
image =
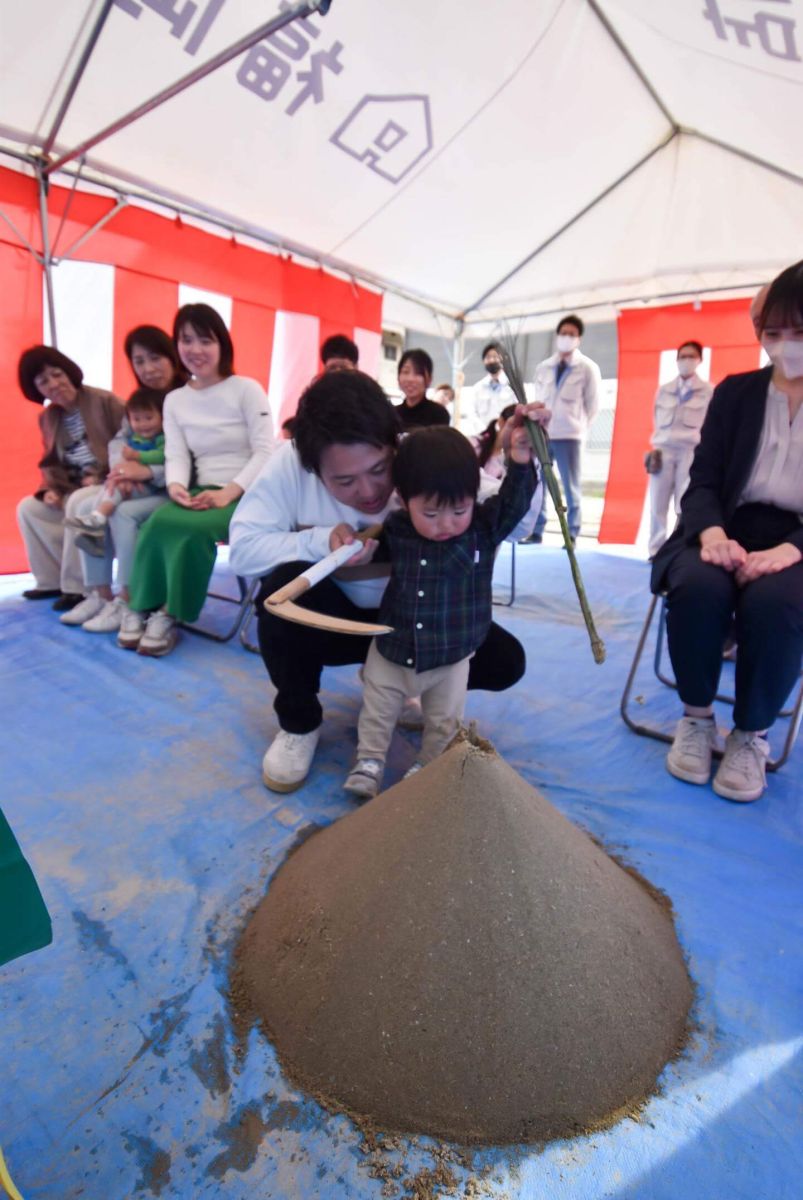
<point x="541" y="449"/>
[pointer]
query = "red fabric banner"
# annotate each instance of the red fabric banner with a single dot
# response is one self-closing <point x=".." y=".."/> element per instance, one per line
<point x="152" y="254"/>
<point x="722" y="325"/>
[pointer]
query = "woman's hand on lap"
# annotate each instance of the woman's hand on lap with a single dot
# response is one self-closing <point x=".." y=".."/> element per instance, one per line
<point x="53" y="499"/>
<point x="768" y="562"/>
<point x="135" y="472"/>
<point x="720" y="550"/>
<point x="179" y="495"/>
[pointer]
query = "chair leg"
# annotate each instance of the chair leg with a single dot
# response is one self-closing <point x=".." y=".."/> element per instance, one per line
<point x="795" y="713"/>
<point x="643" y="730"/>
<point x="509" y="602"/>
<point x="247" y="592"/>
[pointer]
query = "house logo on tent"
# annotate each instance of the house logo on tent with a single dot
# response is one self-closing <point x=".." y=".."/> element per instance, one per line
<point x="390" y="134"/>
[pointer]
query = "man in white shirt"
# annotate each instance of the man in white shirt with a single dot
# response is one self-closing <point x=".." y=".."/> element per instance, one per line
<point x="680" y="408"/>
<point x="568" y="384"/>
<point x="490" y="395"/>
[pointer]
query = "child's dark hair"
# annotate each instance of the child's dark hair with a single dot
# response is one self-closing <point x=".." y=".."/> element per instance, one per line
<point x="437" y="462"/>
<point x="146" y="399"/>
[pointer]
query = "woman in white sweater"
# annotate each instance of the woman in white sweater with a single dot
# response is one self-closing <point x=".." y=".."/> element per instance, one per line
<point x="218" y="436"/>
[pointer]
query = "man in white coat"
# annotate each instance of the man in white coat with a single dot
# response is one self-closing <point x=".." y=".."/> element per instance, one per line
<point x="568" y="384"/>
<point x="680" y="408"/>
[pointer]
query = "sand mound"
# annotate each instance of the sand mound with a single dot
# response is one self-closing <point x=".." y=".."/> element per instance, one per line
<point x="456" y="958"/>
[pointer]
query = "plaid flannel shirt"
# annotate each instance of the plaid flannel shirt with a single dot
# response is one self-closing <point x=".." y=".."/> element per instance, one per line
<point x="438" y="599"/>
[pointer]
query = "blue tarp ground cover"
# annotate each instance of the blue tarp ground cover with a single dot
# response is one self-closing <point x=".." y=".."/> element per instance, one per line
<point x="134" y="788"/>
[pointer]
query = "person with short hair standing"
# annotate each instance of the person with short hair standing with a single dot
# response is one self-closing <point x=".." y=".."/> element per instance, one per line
<point x="680" y="408"/>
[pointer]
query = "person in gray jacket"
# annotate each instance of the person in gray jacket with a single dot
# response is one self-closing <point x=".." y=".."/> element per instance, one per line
<point x="568" y="384"/>
<point x="680" y="408"/>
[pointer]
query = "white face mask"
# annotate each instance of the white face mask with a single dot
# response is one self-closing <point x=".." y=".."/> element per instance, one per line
<point x="687" y="366"/>
<point x="566" y="342"/>
<point x="788" y="356"/>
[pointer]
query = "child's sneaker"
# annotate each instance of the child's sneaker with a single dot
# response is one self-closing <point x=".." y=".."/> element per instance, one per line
<point x="132" y="627"/>
<point x="365" y="778"/>
<point x="93" y="523"/>
<point x="413" y="770"/>
<point x="109" y="619"/>
<point x="742" y="774"/>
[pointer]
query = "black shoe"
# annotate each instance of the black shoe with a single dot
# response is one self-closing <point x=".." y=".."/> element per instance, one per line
<point x="41" y="593"/>
<point x="534" y="539"/>
<point x="67" y="600"/>
<point x="573" y="541"/>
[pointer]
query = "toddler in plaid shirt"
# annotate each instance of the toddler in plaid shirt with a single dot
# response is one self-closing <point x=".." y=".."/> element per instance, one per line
<point x="442" y="546"/>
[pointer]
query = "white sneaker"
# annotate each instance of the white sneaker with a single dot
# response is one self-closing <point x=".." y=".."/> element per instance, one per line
<point x="160" y="635"/>
<point x="288" y="759"/>
<point x="94" y="522"/>
<point x="690" y="756"/>
<point x="109" y="619"/>
<point x="413" y="770"/>
<point x="89" y="607"/>
<point x="365" y="778"/>
<point x="742" y="774"/>
<point x="132" y="627"/>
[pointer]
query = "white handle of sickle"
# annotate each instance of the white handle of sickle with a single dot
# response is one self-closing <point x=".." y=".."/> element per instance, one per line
<point x="320" y="570"/>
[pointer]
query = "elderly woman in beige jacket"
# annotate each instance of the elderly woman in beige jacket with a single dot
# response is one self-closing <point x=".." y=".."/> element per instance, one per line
<point x="77" y="424"/>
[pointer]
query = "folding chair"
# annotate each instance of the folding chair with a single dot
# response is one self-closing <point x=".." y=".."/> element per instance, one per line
<point x="247" y="590"/>
<point x="794" y="715"/>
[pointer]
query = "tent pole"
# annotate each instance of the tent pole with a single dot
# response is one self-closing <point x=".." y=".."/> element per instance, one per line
<point x="304" y="8"/>
<point x="47" y="260"/>
<point x="68" y="253"/>
<point x="72" y="86"/>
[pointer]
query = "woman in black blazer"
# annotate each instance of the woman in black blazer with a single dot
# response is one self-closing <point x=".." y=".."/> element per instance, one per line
<point x="737" y="556"/>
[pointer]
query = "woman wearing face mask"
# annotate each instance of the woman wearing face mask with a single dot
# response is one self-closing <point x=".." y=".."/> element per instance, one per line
<point x="737" y="554"/>
<point x="680" y="408"/>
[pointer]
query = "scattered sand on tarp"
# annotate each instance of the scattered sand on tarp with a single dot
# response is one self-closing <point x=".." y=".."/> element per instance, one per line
<point x="456" y="958"/>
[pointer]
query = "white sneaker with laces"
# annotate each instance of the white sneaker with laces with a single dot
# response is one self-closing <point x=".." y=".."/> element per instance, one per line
<point x="742" y="774"/>
<point x="690" y="756"/>
<point x="109" y="619"/>
<point x="94" y="522"/>
<point x="160" y="635"/>
<point x="288" y="759"/>
<point x="89" y="607"/>
<point x="132" y="627"/>
<point x="413" y="770"/>
<point x="365" y="778"/>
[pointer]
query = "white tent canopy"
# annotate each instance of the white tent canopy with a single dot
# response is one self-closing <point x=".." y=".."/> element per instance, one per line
<point x="489" y="161"/>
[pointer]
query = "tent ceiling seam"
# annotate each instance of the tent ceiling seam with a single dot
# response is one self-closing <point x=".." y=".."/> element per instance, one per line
<point x="573" y="220"/>
<point x="745" y="154"/>
<point x="616" y="38"/>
